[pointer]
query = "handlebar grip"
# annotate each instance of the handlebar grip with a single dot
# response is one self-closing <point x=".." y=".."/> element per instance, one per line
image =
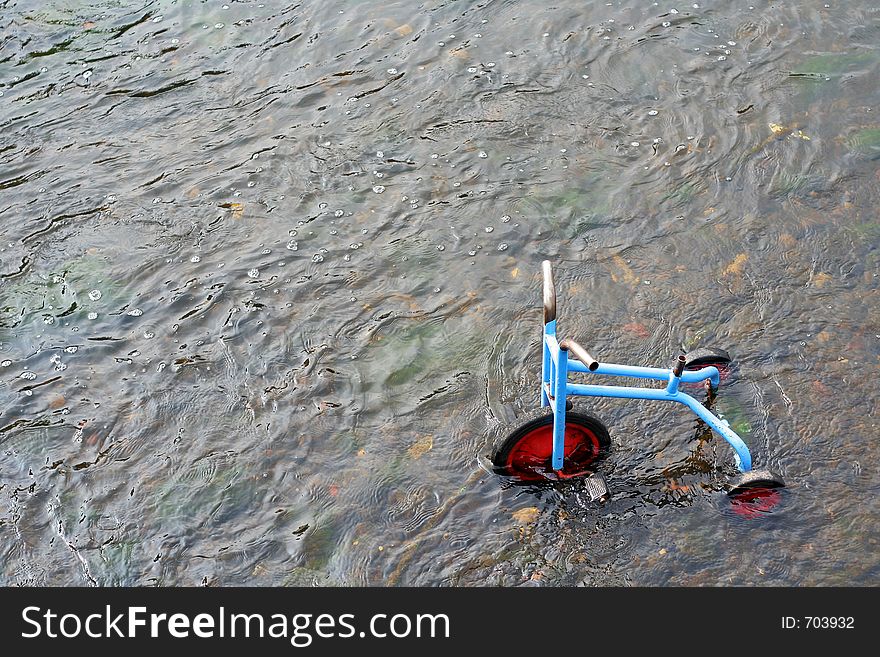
<point x="580" y="353"/>
<point x="549" y="292"/>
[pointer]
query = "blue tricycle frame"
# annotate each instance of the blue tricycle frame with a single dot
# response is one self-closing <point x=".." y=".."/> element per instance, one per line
<point x="561" y="357"/>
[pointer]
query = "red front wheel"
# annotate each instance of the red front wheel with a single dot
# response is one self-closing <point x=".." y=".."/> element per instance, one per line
<point x="525" y="451"/>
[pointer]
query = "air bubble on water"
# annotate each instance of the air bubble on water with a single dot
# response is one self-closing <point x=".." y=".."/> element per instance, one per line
<point x="472" y="69"/>
<point x="111" y="198"/>
<point x="322" y="206"/>
<point x="378" y="189"/>
<point x="490" y="65"/>
<point x="253" y="273"/>
<point x="440" y="247"/>
<point x="218" y="26"/>
<point x="251" y="183"/>
<point x="472" y="252"/>
<point x="135" y="312"/>
<point x="292" y="245"/>
<point x="175" y="41"/>
<point x="354" y="247"/>
<point x="673" y="11"/>
<point x="6" y="363"/>
<point x="28" y="375"/>
<point x="731" y="43"/>
<point x="378" y="174"/>
<point x="634" y="143"/>
<point x="721" y="58"/>
<point x="334" y="232"/>
<point x="505" y="219"/>
<point x="434" y="156"/>
<point x="71" y="349"/>
<point x="380" y="154"/>
<point x="92" y="315"/>
<point x="483" y="154"/>
<point x="347" y="257"/>
<point x="195" y="258"/>
<point x="502" y="247"/>
<point x="666" y="23"/>
<point x="392" y="71"/>
<point x="456" y="184"/>
<point x="317" y="258"/>
<point x="48" y="319"/>
<point x="158" y="19"/>
<point x="87" y="74"/>
<point x="44" y="69"/>
<point x="488" y="229"/>
<point x="653" y="113"/>
<point x="266" y="251"/>
<point x="94" y="295"/>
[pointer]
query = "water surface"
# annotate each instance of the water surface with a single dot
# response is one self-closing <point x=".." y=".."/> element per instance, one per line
<point x="269" y="286"/>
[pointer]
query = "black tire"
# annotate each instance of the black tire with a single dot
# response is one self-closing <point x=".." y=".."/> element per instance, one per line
<point x="514" y="452"/>
<point x="760" y="478"/>
<point x="704" y="356"/>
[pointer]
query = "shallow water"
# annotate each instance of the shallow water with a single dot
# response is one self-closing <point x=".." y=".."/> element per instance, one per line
<point x="269" y="286"/>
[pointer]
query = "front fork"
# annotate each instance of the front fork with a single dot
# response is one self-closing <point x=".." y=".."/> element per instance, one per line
<point x="554" y="392"/>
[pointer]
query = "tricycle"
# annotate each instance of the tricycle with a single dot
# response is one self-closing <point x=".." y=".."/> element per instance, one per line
<point x="556" y="442"/>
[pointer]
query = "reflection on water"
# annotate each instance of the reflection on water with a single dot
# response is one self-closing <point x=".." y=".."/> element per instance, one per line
<point x="269" y="286"/>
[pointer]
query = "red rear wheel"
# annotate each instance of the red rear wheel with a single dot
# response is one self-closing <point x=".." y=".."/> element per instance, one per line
<point x="526" y="451"/>
<point x="706" y="357"/>
<point x="756" y="493"/>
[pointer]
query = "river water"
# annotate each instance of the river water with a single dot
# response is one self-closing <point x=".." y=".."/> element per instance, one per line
<point x="270" y="287"/>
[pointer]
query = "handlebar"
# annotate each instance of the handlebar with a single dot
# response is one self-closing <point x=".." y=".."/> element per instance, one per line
<point x="580" y="353"/>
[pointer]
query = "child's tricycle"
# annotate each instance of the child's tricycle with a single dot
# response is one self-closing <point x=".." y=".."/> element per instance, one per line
<point x="556" y="442"/>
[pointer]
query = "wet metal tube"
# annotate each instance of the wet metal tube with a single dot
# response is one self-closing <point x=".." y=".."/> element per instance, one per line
<point x="549" y="292"/>
<point x="580" y="353"/>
